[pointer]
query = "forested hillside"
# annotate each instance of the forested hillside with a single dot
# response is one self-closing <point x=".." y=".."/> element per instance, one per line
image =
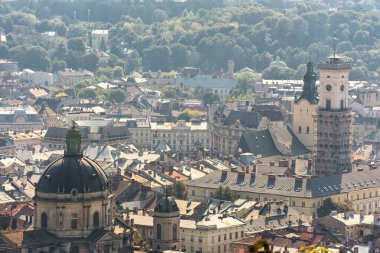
<point x="167" y="35"/>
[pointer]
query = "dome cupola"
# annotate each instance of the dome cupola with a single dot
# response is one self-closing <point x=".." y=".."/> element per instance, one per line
<point x="72" y="174"/>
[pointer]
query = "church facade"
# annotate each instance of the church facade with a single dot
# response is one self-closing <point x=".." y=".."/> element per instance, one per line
<point x="72" y="208"/>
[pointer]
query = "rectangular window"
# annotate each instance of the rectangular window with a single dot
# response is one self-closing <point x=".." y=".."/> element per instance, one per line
<point x="341" y="104"/>
<point x="328" y="104"/>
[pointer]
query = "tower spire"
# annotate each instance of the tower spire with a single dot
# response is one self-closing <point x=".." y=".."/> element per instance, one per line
<point x="73" y="142"/>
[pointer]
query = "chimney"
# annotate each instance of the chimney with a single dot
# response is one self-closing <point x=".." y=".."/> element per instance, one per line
<point x="24" y="181"/>
<point x="135" y="210"/>
<point x="352" y="213"/>
<point x="271" y="163"/>
<point x="346" y="215"/>
<point x="144" y="211"/>
<point x="230" y="70"/>
<point x="293" y="163"/>
<point x="247" y="169"/>
<point x="309" y="164"/>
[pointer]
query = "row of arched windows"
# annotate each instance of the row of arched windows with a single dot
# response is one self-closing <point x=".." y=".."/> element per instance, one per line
<point x="74" y="220"/>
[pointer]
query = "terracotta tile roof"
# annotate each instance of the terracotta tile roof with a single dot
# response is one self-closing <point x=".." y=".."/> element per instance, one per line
<point x="176" y="176"/>
<point x="18" y="209"/>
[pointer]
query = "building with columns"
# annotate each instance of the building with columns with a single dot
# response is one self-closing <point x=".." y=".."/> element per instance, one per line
<point x="304" y="107"/>
<point x="72" y="208"/>
<point x="334" y="119"/>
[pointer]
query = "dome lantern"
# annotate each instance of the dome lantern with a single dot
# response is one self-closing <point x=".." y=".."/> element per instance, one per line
<point x="73" y="142"/>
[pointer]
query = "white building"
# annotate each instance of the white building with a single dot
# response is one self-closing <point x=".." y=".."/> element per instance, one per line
<point x="19" y="119"/>
<point x="99" y="37"/>
<point x="181" y="136"/>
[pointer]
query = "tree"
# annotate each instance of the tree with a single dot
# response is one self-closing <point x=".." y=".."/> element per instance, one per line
<point x="157" y="58"/>
<point x="188" y="115"/>
<point x="327" y="207"/>
<point x="60" y="51"/>
<point x="89" y="61"/>
<point x="159" y="16"/>
<point x="4" y="51"/>
<point x="76" y="44"/>
<point x="224" y="193"/>
<point x="118" y="72"/>
<point x="117" y="95"/>
<point x="33" y="57"/>
<point x="178" y="189"/>
<point x="209" y="98"/>
<point x="87" y="94"/>
<point x="58" y="65"/>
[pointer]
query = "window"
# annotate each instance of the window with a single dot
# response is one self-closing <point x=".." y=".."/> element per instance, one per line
<point x="219" y="238"/>
<point x="328" y="104"/>
<point x="299" y="129"/>
<point x="225" y="236"/>
<point x="175" y="231"/>
<point x="192" y="193"/>
<point x="106" y="248"/>
<point x="307" y="130"/>
<point x="341" y="104"/>
<point x="303" y="203"/>
<point x="242" y="234"/>
<point x="236" y="235"/>
<point x="230" y="235"/>
<point x="74" y="221"/>
<point x="74" y="249"/>
<point x="192" y="238"/>
<point x="44" y="220"/>
<point x="96" y="220"/>
<point x="158" y="231"/>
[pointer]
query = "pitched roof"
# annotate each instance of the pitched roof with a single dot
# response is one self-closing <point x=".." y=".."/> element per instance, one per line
<point x="262" y="143"/>
<point x="248" y="119"/>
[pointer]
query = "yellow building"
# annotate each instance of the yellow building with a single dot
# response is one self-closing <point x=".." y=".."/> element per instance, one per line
<point x="361" y="186"/>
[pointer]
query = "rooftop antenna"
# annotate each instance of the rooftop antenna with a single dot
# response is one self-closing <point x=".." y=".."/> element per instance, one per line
<point x="335" y="44"/>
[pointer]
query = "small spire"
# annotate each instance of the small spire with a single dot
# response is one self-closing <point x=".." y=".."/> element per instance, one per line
<point x="335" y="39"/>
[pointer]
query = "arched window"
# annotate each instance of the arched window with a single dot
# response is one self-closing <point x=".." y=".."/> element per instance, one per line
<point x="299" y="129"/>
<point x="96" y="220"/>
<point x="158" y="231"/>
<point x="307" y="129"/>
<point x="74" y="221"/>
<point x="44" y="220"/>
<point x="174" y="231"/>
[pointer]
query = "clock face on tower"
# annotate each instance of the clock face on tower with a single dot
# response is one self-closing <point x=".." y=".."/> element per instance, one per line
<point x="342" y="87"/>
<point x="328" y="87"/>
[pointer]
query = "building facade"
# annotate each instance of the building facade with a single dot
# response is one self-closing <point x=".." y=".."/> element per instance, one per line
<point x="72" y="209"/>
<point x="19" y="119"/>
<point x="99" y="39"/>
<point x="303" y="193"/>
<point x="333" y="119"/>
<point x="181" y="136"/>
<point x="227" y="126"/>
<point x="100" y="132"/>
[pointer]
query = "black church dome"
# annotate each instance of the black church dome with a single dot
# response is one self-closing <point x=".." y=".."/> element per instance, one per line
<point x="73" y="173"/>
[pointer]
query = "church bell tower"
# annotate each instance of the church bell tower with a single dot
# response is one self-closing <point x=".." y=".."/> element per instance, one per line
<point x="333" y="119"/>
